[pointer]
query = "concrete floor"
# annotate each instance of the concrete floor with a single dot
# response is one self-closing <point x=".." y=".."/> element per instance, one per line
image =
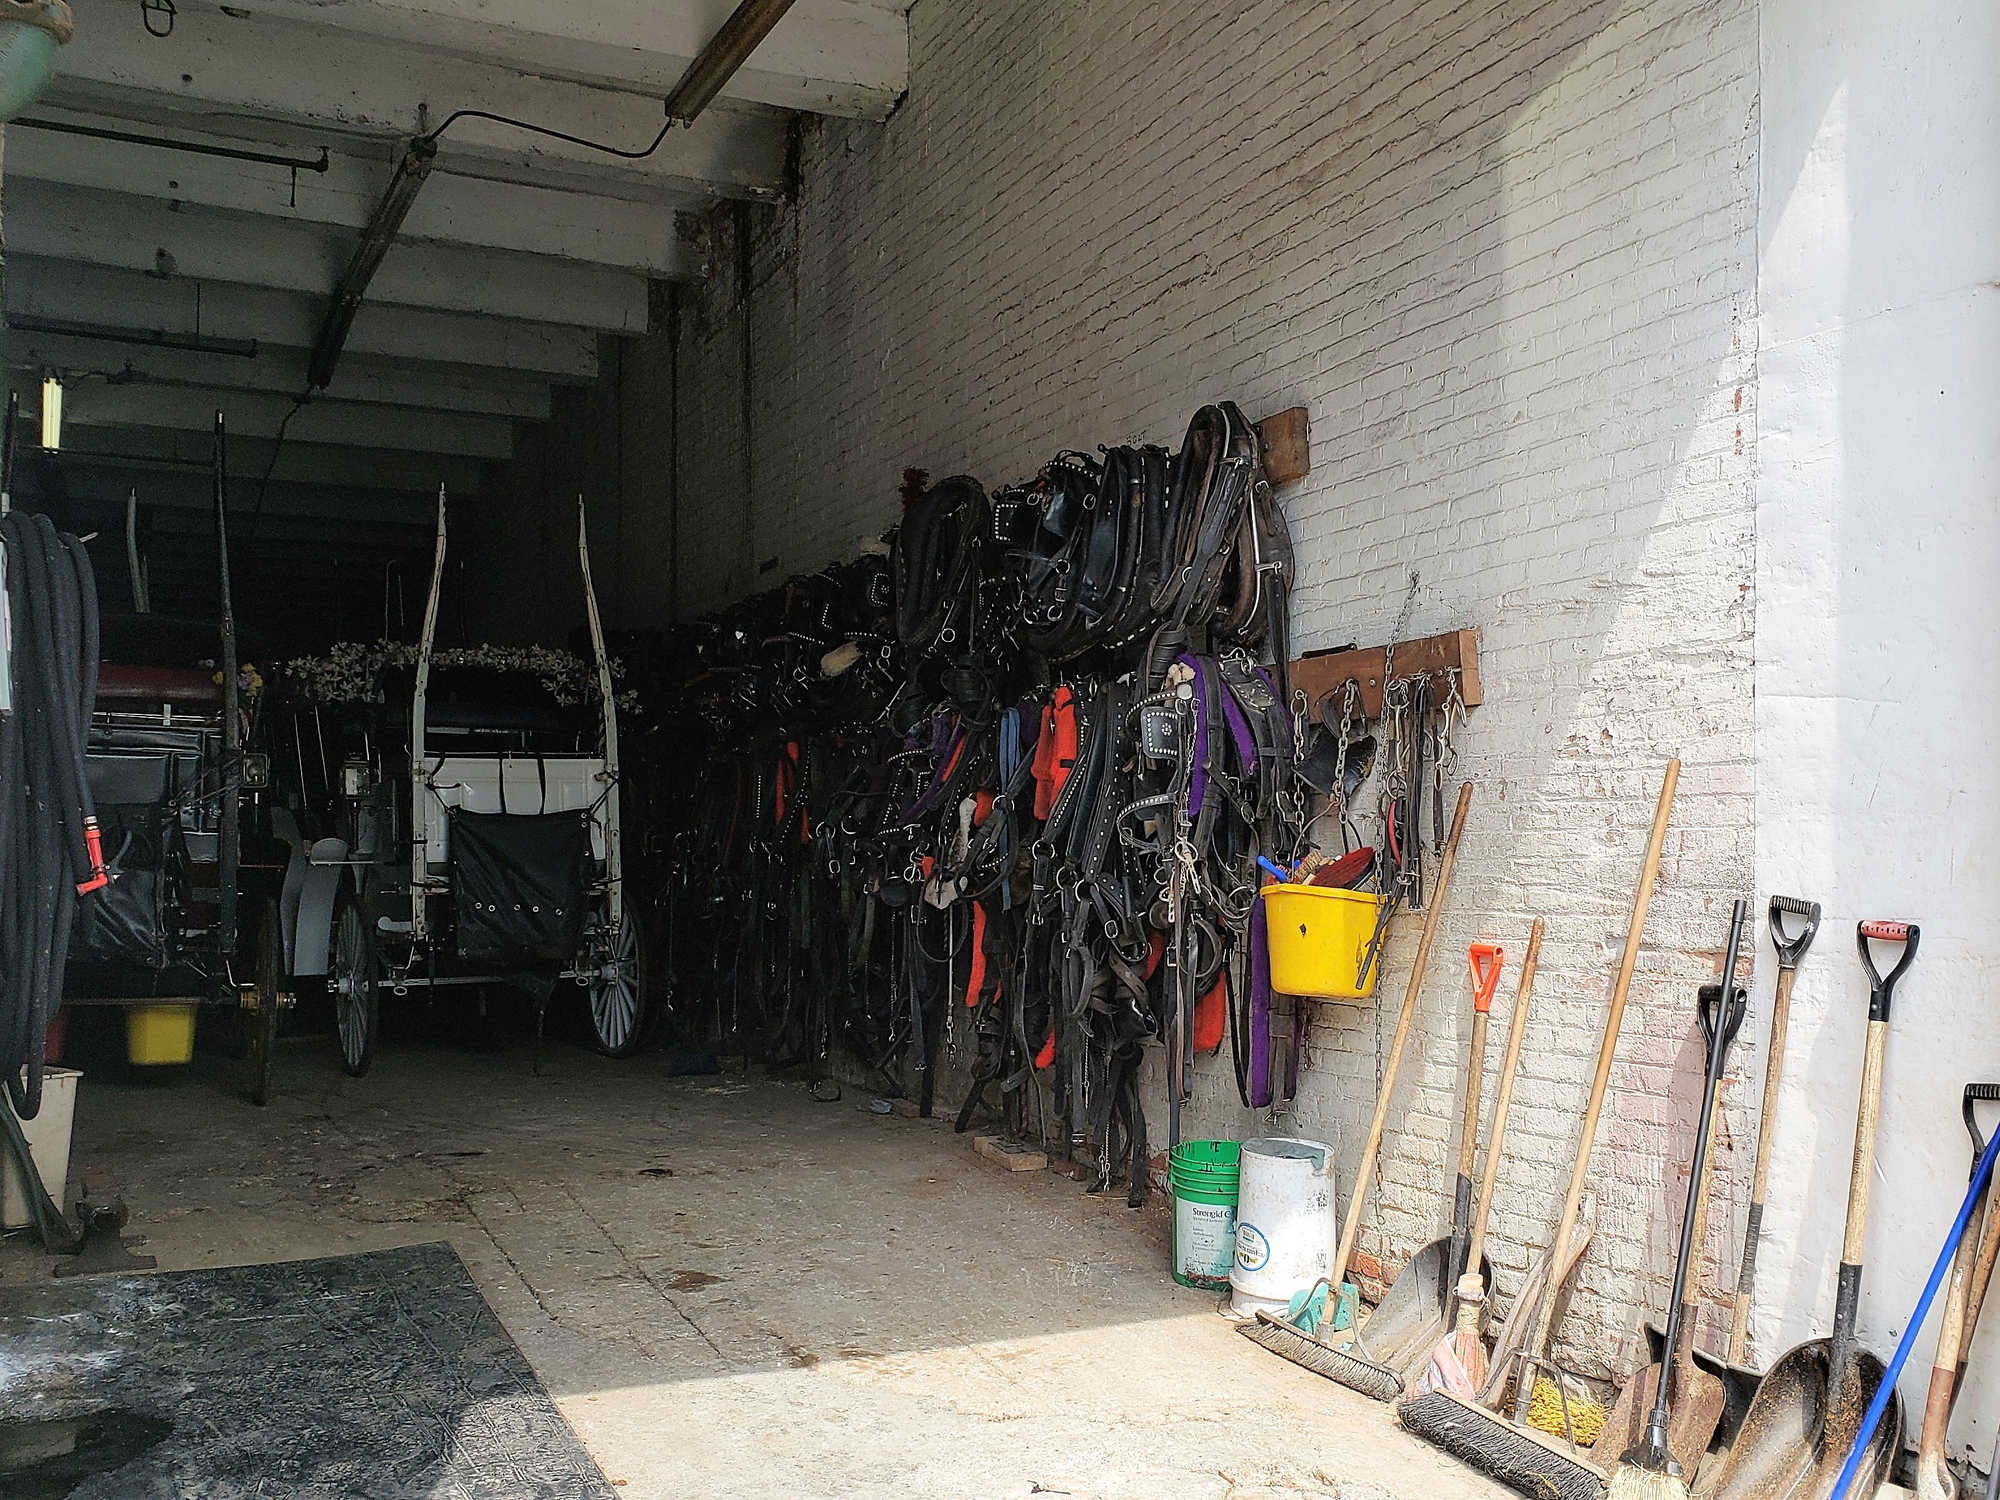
<point x="734" y="1291"/>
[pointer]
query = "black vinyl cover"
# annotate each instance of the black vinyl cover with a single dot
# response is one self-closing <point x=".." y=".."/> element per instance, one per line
<point x="125" y="921"/>
<point x="522" y="882"/>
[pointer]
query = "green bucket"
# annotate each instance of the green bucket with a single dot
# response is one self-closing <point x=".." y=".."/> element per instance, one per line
<point x="1203" y="1178"/>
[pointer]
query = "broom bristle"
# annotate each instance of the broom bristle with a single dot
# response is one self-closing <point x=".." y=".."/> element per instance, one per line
<point x="1303" y="1349"/>
<point x="1632" y="1482"/>
<point x="1525" y="1461"/>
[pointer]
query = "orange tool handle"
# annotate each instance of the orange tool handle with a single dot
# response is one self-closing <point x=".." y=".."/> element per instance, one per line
<point x="1485" y="980"/>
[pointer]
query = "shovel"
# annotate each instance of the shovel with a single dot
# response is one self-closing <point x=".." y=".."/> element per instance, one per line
<point x="1808" y="1409"/>
<point x="1935" y="1480"/>
<point x="1417" y="1309"/>
<point x="1696" y="1398"/>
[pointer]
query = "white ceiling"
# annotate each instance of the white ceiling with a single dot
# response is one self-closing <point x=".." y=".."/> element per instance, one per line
<point x="518" y="253"/>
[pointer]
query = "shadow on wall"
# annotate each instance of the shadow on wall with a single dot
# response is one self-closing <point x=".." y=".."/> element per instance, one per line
<point x="1506" y="257"/>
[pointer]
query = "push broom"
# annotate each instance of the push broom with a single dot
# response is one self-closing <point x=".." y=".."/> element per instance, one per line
<point x="1512" y="1452"/>
<point x="1278" y="1334"/>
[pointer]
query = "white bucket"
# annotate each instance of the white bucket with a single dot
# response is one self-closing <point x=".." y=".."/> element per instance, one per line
<point x="1285" y="1223"/>
<point x="48" y="1146"/>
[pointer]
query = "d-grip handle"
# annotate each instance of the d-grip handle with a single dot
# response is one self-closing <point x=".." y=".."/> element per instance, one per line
<point x="1883" y="986"/>
<point x="1792" y="949"/>
<point x="1709" y="1003"/>
<point x="1978" y="1093"/>
<point x="1486" y="960"/>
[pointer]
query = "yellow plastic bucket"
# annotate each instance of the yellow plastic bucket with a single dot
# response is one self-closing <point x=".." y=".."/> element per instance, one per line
<point x="1318" y="939"/>
<point x="159" y="1035"/>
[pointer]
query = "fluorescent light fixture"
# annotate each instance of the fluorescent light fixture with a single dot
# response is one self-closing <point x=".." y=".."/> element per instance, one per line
<point x="52" y="413"/>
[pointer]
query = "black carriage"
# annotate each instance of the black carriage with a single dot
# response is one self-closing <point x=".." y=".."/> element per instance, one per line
<point x="465" y="812"/>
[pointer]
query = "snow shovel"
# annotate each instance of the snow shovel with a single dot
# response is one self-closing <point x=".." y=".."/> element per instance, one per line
<point x="1935" y="1481"/>
<point x="1417" y="1309"/>
<point x="1686" y="1417"/>
<point x="1808" y="1409"/>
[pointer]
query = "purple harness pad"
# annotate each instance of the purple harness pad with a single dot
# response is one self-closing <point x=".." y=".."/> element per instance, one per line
<point x="1260" y="1008"/>
<point x="946" y="737"/>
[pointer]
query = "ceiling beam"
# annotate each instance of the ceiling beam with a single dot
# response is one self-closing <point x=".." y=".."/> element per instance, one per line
<point x="105" y="479"/>
<point x="81" y="227"/>
<point x="221" y="70"/>
<point x="465" y="211"/>
<point x="172" y="450"/>
<point x="134" y="302"/>
<point x="257" y="414"/>
<point x="362" y="377"/>
<point x="829" y="57"/>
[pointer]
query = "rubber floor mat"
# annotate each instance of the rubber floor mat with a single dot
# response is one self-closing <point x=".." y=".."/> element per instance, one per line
<point x="380" y="1375"/>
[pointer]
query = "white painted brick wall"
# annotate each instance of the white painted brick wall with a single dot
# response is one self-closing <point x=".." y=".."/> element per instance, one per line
<point x="1505" y="253"/>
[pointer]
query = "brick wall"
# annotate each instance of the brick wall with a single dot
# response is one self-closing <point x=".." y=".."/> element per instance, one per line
<point x="1505" y="254"/>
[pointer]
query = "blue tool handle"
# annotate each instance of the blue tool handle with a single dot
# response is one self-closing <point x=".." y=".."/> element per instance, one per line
<point x="1887" y="1388"/>
<point x="1277" y="870"/>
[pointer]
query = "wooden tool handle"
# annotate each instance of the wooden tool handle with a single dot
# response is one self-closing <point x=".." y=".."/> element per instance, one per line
<point x="1691" y="1292"/>
<point x="1774" y="1073"/>
<point x="1475" y="1077"/>
<point x="1517" y="1025"/>
<point x="1627" y="963"/>
<point x="1855" y="1239"/>
<point x="1982" y="1269"/>
<point x="1351" y="1230"/>
<point x="1952" y="1337"/>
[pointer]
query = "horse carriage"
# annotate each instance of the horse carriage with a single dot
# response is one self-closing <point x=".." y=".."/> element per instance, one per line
<point x="466" y="811"/>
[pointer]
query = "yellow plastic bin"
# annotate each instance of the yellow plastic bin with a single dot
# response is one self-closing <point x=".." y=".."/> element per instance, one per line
<point x="159" y="1035"/>
<point x="1318" y="939"/>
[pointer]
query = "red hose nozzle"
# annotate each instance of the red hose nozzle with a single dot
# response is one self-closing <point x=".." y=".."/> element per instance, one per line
<point x="94" y="842"/>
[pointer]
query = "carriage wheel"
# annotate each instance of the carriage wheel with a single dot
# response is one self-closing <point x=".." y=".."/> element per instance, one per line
<point x="352" y="971"/>
<point x="271" y="1000"/>
<point x="617" y="985"/>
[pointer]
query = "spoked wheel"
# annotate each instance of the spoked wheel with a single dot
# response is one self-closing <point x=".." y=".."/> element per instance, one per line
<point x="352" y="971"/>
<point x="615" y="977"/>
<point x="271" y="1001"/>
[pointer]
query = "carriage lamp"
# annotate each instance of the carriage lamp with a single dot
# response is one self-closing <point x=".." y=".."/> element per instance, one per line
<point x="354" y="778"/>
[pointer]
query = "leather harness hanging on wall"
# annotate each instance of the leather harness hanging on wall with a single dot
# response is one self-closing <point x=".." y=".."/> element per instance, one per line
<point x="1028" y="825"/>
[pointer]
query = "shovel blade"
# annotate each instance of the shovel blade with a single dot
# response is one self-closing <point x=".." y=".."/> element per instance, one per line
<point x="1415" y="1313"/>
<point x="1697" y="1407"/>
<point x="1739" y="1383"/>
<point x="1794" y="1437"/>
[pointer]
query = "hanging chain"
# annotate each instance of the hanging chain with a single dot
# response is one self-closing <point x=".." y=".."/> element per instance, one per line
<point x="1444" y="756"/>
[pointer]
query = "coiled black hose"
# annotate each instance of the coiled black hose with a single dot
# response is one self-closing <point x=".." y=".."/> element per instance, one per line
<point x="48" y="823"/>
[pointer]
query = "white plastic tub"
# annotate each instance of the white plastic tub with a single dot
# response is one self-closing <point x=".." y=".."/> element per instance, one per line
<point x="48" y="1143"/>
<point x="1284" y="1223"/>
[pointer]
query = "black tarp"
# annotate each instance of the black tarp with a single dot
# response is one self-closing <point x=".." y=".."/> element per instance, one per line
<point x="522" y="881"/>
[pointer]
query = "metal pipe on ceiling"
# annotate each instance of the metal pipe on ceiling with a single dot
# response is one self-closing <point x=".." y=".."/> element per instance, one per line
<point x="380" y="233"/>
<point x="171" y="143"/>
<point x="726" y="51"/>
<point x="706" y="76"/>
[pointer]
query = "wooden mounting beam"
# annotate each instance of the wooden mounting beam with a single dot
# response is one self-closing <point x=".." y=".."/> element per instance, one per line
<point x="1318" y="674"/>
<point x="1287" y="441"/>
